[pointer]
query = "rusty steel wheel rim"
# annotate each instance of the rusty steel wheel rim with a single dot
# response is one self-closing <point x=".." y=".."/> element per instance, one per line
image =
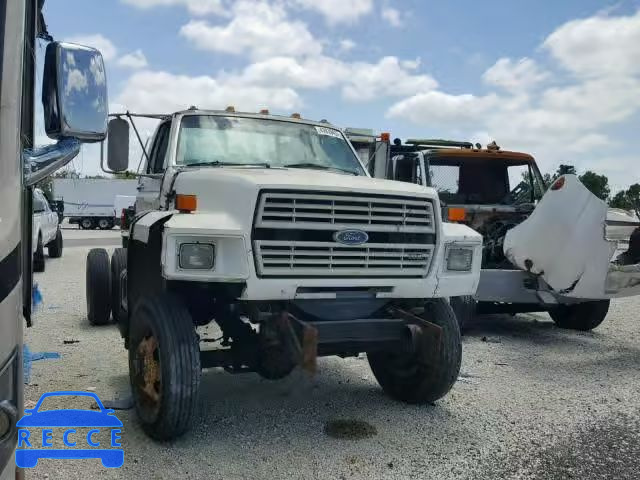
<point x="148" y="378"/>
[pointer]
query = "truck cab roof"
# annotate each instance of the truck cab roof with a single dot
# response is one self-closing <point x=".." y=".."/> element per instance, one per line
<point x="466" y="154"/>
<point x="229" y="112"/>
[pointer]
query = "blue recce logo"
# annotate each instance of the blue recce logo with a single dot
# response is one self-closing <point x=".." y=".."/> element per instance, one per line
<point x="32" y="446"/>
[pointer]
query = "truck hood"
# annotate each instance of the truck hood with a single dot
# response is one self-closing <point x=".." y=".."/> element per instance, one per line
<point x="228" y="196"/>
<point x="253" y="179"/>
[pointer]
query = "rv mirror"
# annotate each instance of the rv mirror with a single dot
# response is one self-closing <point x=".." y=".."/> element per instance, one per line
<point x="74" y="93"/>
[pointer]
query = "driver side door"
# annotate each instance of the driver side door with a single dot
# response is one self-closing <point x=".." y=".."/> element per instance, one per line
<point x="149" y="184"/>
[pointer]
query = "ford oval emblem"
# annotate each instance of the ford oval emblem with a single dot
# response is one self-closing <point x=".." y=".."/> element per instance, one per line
<point x="351" y="237"/>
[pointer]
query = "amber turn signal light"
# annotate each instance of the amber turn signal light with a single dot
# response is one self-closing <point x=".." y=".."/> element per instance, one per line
<point x="457" y="214"/>
<point x="186" y="203"/>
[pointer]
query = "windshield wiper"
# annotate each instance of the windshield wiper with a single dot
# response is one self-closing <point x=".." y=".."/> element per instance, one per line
<point x="315" y="166"/>
<point x="218" y="163"/>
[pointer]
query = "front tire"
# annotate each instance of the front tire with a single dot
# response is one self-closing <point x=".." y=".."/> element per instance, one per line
<point x="164" y="366"/>
<point x="55" y="247"/>
<point x="583" y="316"/>
<point x="118" y="265"/>
<point x="465" y="309"/>
<point x="407" y="377"/>
<point x="98" y="286"/>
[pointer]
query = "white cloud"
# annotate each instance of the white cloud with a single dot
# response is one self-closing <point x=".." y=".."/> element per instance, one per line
<point x="258" y="28"/>
<point x="368" y="81"/>
<point x="97" y="70"/>
<point x="360" y="81"/>
<point x="437" y="108"/>
<point x="134" y="60"/>
<point x="597" y="46"/>
<point x="392" y="16"/>
<point x="337" y="11"/>
<point x="411" y="64"/>
<point x="195" y="7"/>
<point x="571" y="119"/>
<point x="347" y="45"/>
<point x="76" y="80"/>
<point x="166" y="92"/>
<point x="314" y="73"/>
<point x="515" y="75"/>
<point x="106" y="46"/>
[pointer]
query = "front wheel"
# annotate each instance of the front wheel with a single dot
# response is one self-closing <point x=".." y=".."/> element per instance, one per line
<point x="583" y="316"/>
<point x="164" y="366"/>
<point x="465" y="309"/>
<point x="414" y="377"/>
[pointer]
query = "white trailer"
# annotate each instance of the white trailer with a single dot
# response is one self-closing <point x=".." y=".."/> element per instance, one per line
<point x="90" y="202"/>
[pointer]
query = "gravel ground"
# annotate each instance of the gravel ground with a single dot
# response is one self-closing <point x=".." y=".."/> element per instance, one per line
<point x="532" y="402"/>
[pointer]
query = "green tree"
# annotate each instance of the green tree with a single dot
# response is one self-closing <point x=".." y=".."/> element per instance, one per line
<point x="628" y="199"/>
<point x="597" y="184"/>
<point x="620" y="200"/>
<point x="126" y="175"/>
<point x="565" y="169"/>
<point x="633" y="197"/>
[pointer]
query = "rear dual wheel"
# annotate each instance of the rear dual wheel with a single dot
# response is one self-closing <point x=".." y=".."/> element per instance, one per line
<point x="118" y="265"/>
<point x="105" y="224"/>
<point x="583" y="316"/>
<point x="86" y="224"/>
<point x="98" y="284"/>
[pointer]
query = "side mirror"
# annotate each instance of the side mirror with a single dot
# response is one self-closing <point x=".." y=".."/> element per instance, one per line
<point x="74" y="93"/>
<point x="118" y="145"/>
<point x="74" y="97"/>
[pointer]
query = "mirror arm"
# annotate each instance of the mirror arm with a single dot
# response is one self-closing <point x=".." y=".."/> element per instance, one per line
<point x="41" y="162"/>
<point x="135" y="129"/>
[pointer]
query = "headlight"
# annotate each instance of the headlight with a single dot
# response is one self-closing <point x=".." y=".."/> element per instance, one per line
<point x="197" y="256"/>
<point x="459" y="259"/>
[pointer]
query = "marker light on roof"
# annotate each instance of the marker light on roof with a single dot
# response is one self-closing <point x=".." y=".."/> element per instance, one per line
<point x="558" y="184"/>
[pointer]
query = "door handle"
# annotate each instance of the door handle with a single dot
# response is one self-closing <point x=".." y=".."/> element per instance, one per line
<point x="140" y="187"/>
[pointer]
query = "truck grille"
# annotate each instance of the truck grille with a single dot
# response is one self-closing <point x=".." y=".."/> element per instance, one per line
<point x="294" y="235"/>
<point x="319" y="211"/>
<point x="328" y="259"/>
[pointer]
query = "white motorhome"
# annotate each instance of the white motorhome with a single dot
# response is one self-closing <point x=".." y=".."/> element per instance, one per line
<point x="271" y="227"/>
<point x="71" y="116"/>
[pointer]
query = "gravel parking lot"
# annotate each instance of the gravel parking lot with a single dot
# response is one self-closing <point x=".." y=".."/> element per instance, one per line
<point x="532" y="402"/>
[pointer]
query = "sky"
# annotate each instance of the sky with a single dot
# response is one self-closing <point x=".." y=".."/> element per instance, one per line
<point x="559" y="80"/>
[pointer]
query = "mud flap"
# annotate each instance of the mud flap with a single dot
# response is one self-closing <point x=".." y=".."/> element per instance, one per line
<point x="565" y="242"/>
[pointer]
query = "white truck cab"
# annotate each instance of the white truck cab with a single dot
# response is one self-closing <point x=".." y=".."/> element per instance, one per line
<point x="271" y="227"/>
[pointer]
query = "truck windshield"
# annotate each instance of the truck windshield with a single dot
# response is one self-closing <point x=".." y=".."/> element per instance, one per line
<point x="219" y="141"/>
<point x="483" y="182"/>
